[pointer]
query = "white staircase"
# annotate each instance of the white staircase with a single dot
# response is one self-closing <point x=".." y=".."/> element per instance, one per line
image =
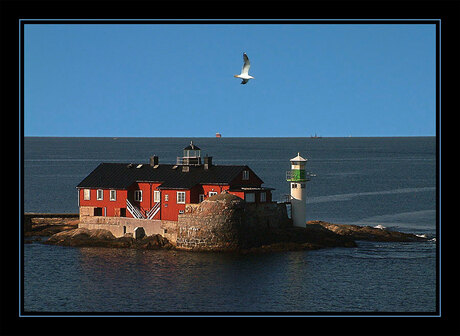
<point x="152" y="212"/>
<point x="134" y="211"/>
<point x="137" y="213"/>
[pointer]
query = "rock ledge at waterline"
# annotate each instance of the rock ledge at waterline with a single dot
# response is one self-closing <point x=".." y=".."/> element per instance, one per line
<point x="316" y="235"/>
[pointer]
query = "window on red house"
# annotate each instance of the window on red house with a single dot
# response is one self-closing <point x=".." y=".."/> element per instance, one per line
<point x="263" y="197"/>
<point x="181" y="197"/>
<point x="250" y="197"/>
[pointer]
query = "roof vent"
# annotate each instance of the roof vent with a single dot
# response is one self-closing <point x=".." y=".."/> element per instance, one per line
<point x="154" y="161"/>
<point x="207" y="162"/>
<point x="174" y="167"/>
<point x="139" y="166"/>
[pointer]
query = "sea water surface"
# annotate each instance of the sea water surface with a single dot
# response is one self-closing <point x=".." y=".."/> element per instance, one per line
<point x="389" y="182"/>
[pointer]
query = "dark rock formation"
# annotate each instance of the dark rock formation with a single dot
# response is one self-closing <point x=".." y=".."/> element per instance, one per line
<point x="45" y="227"/>
<point x="296" y="238"/>
<point x="82" y="237"/>
<point x="357" y="232"/>
<point x="103" y="238"/>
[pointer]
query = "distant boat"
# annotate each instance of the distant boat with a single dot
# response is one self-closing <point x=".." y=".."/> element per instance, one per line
<point x="315" y="136"/>
<point x="218" y="135"/>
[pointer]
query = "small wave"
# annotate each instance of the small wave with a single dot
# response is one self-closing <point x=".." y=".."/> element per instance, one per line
<point x="433" y="240"/>
<point x="422" y="235"/>
<point x="350" y="196"/>
<point x="380" y="227"/>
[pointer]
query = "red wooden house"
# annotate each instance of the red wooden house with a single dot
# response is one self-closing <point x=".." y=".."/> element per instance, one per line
<point x="161" y="191"/>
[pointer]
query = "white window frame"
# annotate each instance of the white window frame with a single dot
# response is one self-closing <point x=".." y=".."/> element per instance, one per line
<point x="86" y="194"/>
<point x="156" y="196"/>
<point x="250" y="199"/>
<point x="180" y="197"/>
<point x="245" y="174"/>
<point x="212" y="193"/>
<point x="263" y="196"/>
<point x="113" y="195"/>
<point x="166" y="197"/>
<point x="138" y="195"/>
<point x="100" y="194"/>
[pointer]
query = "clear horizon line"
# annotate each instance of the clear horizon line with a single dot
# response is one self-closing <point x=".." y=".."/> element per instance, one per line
<point x="197" y="136"/>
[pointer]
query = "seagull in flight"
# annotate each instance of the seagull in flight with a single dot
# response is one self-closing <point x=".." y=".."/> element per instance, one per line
<point x="244" y="72"/>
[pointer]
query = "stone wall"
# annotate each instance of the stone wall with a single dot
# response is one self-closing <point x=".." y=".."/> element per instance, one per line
<point x="223" y="222"/>
<point x="213" y="225"/>
<point x="266" y="215"/>
<point x="226" y="222"/>
<point x="262" y="222"/>
<point x="169" y="230"/>
<point x="86" y="211"/>
<point x="121" y="225"/>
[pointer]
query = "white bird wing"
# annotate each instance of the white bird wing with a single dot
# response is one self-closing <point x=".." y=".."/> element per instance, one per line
<point x="246" y="65"/>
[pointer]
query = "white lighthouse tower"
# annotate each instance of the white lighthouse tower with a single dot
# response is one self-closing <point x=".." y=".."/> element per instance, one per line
<point x="297" y="176"/>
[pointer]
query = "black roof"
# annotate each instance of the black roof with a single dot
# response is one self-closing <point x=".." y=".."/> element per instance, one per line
<point x="122" y="175"/>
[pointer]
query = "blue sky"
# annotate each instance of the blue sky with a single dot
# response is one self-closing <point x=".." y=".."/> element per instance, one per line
<point x="174" y="80"/>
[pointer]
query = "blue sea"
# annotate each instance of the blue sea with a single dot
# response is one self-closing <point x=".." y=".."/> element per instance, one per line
<point x="386" y="181"/>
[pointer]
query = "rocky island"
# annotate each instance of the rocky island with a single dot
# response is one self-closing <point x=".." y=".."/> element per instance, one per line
<point x="316" y="235"/>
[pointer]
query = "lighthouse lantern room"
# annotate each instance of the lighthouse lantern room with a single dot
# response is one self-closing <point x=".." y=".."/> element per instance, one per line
<point x="192" y="155"/>
<point x="297" y="177"/>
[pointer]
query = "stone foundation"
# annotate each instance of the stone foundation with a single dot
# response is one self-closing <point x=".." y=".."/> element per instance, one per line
<point x="121" y="225"/>
<point x="224" y="222"/>
<point x="214" y="225"/>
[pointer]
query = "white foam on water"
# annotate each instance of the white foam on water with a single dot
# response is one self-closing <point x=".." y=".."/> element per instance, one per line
<point x="350" y="196"/>
<point x="411" y="218"/>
